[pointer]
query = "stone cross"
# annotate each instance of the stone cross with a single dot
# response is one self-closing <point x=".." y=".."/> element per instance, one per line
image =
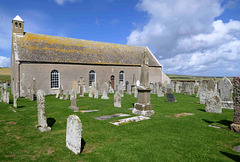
<point x="42" y="119"/>
<point x="105" y="91"/>
<point x="73" y="99"/>
<point x="74" y="134"/>
<point x="235" y="127"/>
<point x="117" y="99"/>
<point x="225" y="91"/>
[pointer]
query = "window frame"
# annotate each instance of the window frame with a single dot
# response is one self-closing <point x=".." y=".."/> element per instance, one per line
<point x="51" y="79"/>
<point x="91" y="72"/>
<point x="123" y="77"/>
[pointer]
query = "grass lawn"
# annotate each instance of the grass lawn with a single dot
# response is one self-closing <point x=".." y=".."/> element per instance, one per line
<point x="162" y="138"/>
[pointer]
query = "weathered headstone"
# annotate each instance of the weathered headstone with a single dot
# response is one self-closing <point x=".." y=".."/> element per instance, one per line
<point x="177" y="87"/>
<point x="170" y="96"/>
<point x="211" y="85"/>
<point x="75" y="85"/>
<point x="67" y="95"/>
<point x="57" y="95"/>
<point x="92" y="90"/>
<point x="196" y="87"/>
<point x="129" y="89"/>
<point x="7" y="97"/>
<point x="138" y="83"/>
<point x="188" y="90"/>
<point x="5" y="85"/>
<point x="160" y="92"/>
<point x="42" y="119"/>
<point x="225" y="91"/>
<point x="61" y="93"/>
<point x="213" y="103"/>
<point x="143" y="105"/>
<point x="203" y="97"/>
<point x="1" y="97"/>
<point x="81" y="85"/>
<point x="73" y="99"/>
<point x="74" y="134"/>
<point x="4" y="96"/>
<point x="235" y="127"/>
<point x="98" y="88"/>
<point x="33" y="95"/>
<point x="135" y="92"/>
<point x="15" y="99"/>
<point x="117" y="99"/>
<point x="96" y="94"/>
<point x="105" y="91"/>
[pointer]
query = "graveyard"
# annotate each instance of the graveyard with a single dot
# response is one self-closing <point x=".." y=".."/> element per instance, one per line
<point x="180" y="130"/>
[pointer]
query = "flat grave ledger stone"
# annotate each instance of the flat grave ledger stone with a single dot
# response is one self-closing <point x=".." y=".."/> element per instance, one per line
<point x="74" y="134"/>
<point x="42" y="119"/>
<point x="87" y="111"/>
<point x="129" y="120"/>
<point x="105" y="117"/>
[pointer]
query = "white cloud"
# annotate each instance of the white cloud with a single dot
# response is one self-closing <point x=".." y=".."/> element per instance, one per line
<point x="187" y="39"/>
<point x="4" y="61"/>
<point x="61" y="2"/>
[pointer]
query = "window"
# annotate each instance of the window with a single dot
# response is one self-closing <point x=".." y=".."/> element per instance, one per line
<point x="92" y="76"/>
<point x="16" y="24"/>
<point x="20" y="25"/>
<point x="121" y="76"/>
<point x="54" y="79"/>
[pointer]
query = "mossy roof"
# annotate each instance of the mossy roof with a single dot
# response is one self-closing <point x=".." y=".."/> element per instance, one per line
<point x="46" y="48"/>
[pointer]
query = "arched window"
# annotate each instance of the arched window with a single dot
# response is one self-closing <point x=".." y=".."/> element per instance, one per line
<point x="20" y="25"/>
<point x="54" y="79"/>
<point x="121" y="76"/>
<point x="16" y="24"/>
<point x="92" y="76"/>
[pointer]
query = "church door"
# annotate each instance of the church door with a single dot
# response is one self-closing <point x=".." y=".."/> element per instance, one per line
<point x="112" y="81"/>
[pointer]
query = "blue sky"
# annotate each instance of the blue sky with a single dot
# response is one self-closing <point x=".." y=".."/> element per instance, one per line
<point x="195" y="37"/>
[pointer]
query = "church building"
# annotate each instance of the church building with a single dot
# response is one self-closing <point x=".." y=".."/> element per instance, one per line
<point x="55" y="61"/>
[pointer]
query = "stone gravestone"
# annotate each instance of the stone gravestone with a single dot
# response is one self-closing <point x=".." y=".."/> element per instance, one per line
<point x="152" y="87"/>
<point x="98" y="88"/>
<point x="196" y="87"/>
<point x="135" y="92"/>
<point x="1" y="99"/>
<point x="33" y="96"/>
<point x="211" y="85"/>
<point x="121" y="89"/>
<point x="92" y="90"/>
<point x="75" y="85"/>
<point x="66" y="95"/>
<point x="225" y="92"/>
<point x="138" y="83"/>
<point x="177" y="87"/>
<point x="160" y="92"/>
<point x="7" y="97"/>
<point x="117" y="99"/>
<point x="15" y="99"/>
<point x="143" y="105"/>
<point x="5" y="85"/>
<point x="96" y="93"/>
<point x="213" y="103"/>
<point x="170" y="96"/>
<point x="42" y="119"/>
<point x="74" y="134"/>
<point x="235" y="127"/>
<point x="61" y="93"/>
<point x="81" y="85"/>
<point x="156" y="86"/>
<point x="203" y="97"/>
<point x="57" y="95"/>
<point x="110" y="90"/>
<point x="188" y="90"/>
<point x="105" y="91"/>
<point x="4" y="96"/>
<point x="73" y="99"/>
<point x="128" y="90"/>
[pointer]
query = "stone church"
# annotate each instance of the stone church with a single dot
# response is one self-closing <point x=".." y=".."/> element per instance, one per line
<point x="55" y="61"/>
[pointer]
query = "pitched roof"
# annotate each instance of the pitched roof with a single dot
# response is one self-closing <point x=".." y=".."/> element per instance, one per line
<point x="17" y="18"/>
<point x="46" y="48"/>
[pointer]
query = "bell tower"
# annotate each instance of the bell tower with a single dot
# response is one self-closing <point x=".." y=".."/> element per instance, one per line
<point x="17" y="25"/>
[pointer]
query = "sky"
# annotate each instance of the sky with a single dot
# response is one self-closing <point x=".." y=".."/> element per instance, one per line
<point x="188" y="37"/>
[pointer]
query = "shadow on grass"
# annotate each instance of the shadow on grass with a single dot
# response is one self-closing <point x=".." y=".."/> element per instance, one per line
<point x="50" y="121"/>
<point x="202" y="110"/>
<point x="20" y="107"/>
<point x="223" y="122"/>
<point x="83" y="143"/>
<point x="231" y="156"/>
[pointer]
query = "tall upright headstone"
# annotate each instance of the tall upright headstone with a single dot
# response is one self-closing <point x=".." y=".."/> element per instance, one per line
<point x="61" y="92"/>
<point x="92" y="90"/>
<point x="81" y="85"/>
<point x="213" y="103"/>
<point x="1" y="97"/>
<point x="110" y="89"/>
<point x="74" y="134"/>
<point x="129" y="89"/>
<point x="15" y="99"/>
<point x="105" y="91"/>
<point x="143" y="105"/>
<point x="225" y="90"/>
<point x="8" y="97"/>
<point x="211" y="85"/>
<point x="177" y="87"/>
<point x="117" y="99"/>
<point x="42" y="119"/>
<point x="73" y="99"/>
<point x="235" y="126"/>
<point x="33" y="95"/>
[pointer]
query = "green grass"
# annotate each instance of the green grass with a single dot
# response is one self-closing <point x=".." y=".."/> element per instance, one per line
<point x="162" y="138"/>
<point x="5" y="78"/>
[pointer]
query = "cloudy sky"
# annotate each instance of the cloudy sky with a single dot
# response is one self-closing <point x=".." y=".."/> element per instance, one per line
<point x="190" y="37"/>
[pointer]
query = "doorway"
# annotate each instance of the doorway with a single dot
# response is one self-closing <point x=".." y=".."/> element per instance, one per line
<point x="112" y="81"/>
